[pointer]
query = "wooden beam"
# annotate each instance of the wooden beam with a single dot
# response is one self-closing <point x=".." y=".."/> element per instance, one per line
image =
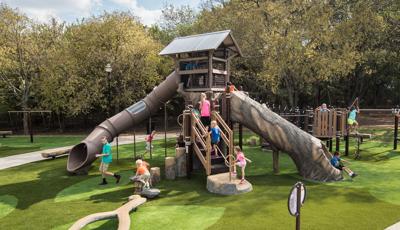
<point x="210" y="68"/>
<point x="192" y="71"/>
<point x="217" y="71"/>
<point x="220" y="59"/>
<point x="193" y="59"/>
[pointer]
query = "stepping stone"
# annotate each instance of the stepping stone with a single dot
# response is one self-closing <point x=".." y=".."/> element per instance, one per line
<point x="220" y="184"/>
<point x="150" y="193"/>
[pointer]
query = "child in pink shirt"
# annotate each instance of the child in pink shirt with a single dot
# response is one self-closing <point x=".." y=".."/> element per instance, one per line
<point x="240" y="161"/>
<point x="205" y="110"/>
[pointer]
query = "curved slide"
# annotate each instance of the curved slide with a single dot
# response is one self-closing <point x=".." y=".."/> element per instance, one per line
<point x="307" y="152"/>
<point x="83" y="154"/>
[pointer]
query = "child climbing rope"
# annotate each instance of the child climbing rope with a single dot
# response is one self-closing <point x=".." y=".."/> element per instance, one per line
<point x="142" y="173"/>
<point x="351" y="120"/>
<point x="241" y="161"/>
<point x="336" y="161"/>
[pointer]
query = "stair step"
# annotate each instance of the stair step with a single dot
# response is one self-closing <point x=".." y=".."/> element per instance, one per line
<point x="219" y="168"/>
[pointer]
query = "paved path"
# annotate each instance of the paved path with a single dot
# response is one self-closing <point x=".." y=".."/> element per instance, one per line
<point x="394" y="227"/>
<point x="25" y="158"/>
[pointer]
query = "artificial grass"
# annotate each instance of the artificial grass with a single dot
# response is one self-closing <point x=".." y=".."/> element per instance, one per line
<point x="7" y="205"/>
<point x="369" y="201"/>
<point x="13" y="145"/>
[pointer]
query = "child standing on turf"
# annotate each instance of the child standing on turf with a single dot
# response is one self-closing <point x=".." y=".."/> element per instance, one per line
<point x="336" y="161"/>
<point x="351" y="120"/>
<point x="241" y="161"/>
<point x="142" y="173"/>
<point x="106" y="159"/>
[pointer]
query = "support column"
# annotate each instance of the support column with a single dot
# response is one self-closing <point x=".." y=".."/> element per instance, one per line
<point x="330" y="144"/>
<point x="338" y="143"/>
<point x="396" y="131"/>
<point x="275" y="160"/>
<point x="241" y="136"/>
<point x="346" y="147"/>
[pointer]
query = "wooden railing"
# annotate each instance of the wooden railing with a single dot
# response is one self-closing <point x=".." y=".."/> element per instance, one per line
<point x="200" y="135"/>
<point x="227" y="137"/>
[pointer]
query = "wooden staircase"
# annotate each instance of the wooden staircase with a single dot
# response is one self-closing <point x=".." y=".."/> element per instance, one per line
<point x="221" y="159"/>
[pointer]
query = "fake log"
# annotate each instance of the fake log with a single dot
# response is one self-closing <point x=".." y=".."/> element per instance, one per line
<point x="180" y="162"/>
<point x="170" y="168"/>
<point x="155" y="175"/>
<point x="308" y="153"/>
<point x="122" y="213"/>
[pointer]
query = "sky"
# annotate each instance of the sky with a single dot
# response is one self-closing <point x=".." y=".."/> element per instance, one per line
<point x="149" y="11"/>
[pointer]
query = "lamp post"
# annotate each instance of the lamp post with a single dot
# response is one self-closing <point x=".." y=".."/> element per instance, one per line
<point x="108" y="69"/>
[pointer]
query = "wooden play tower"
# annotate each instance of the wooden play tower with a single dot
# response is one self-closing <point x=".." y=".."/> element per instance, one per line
<point x="203" y="65"/>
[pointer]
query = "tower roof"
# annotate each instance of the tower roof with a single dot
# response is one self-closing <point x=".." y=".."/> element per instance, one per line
<point x="202" y="42"/>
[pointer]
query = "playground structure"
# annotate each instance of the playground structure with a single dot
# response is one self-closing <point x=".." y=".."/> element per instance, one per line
<point x="202" y="65"/>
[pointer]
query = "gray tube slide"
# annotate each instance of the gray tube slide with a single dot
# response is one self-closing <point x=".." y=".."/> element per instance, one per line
<point x="82" y="155"/>
<point x="307" y="152"/>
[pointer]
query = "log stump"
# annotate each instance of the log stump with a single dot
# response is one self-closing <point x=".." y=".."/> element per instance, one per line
<point x="155" y="175"/>
<point x="170" y="168"/>
<point x="180" y="162"/>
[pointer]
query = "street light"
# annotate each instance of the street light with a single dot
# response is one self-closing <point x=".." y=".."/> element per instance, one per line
<point x="108" y="69"/>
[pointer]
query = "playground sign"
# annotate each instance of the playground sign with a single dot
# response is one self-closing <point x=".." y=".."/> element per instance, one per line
<point x="296" y="199"/>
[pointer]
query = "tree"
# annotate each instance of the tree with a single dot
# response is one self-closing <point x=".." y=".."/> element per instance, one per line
<point x="22" y="52"/>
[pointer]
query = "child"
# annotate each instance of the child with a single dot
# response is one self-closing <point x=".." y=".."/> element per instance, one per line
<point x="142" y="173"/>
<point x="323" y="108"/>
<point x="215" y="134"/>
<point x="106" y="159"/>
<point x="240" y="161"/>
<point x="352" y="118"/>
<point x="205" y="110"/>
<point x="149" y="140"/>
<point x="336" y="161"/>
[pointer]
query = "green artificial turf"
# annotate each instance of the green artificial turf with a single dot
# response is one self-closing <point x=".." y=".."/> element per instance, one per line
<point x="48" y="198"/>
<point x="13" y="145"/>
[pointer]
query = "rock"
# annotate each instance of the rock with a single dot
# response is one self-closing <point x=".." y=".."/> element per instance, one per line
<point x="155" y="175"/>
<point x="150" y="193"/>
<point x="180" y="162"/>
<point x="170" y="168"/>
<point x="220" y="184"/>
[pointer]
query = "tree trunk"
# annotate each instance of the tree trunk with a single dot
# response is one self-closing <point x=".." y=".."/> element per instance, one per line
<point x="308" y="153"/>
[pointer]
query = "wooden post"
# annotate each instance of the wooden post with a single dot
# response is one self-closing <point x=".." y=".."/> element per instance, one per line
<point x="165" y="129"/>
<point x="210" y="68"/>
<point x="117" y="149"/>
<point x="330" y="144"/>
<point x="151" y="150"/>
<point x="306" y="121"/>
<point x="134" y="143"/>
<point x="30" y="126"/>
<point x="346" y="146"/>
<point x="338" y="143"/>
<point x="396" y="131"/>
<point x="240" y="136"/>
<point x="275" y="160"/>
